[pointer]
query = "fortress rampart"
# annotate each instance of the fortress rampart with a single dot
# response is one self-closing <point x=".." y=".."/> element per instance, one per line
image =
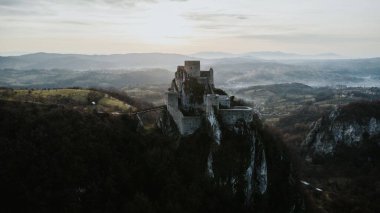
<point x="230" y="116"/>
<point x="186" y="124"/>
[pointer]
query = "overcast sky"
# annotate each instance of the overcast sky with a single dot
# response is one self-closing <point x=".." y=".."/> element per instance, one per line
<point x="345" y="27"/>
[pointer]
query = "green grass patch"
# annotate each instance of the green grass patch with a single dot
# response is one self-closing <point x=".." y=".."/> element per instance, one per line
<point x="70" y="97"/>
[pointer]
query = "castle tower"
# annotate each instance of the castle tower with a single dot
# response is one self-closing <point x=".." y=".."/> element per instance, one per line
<point x="193" y="68"/>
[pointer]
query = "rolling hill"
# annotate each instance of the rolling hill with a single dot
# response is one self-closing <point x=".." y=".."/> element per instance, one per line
<point x="92" y="62"/>
<point x="67" y="70"/>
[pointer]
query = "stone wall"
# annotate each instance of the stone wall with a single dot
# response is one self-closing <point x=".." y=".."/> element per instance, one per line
<point x="230" y="116"/>
<point x="172" y="99"/>
<point x="224" y="101"/>
<point x="210" y="100"/>
<point x="186" y="124"/>
<point x="193" y="68"/>
<point x="211" y="77"/>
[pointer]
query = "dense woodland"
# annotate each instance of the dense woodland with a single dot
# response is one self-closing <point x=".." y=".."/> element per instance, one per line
<point x="55" y="159"/>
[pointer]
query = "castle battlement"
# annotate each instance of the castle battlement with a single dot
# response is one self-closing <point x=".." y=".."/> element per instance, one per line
<point x="191" y="97"/>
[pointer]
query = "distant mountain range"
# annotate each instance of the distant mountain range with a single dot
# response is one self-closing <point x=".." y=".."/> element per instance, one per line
<point x="231" y="70"/>
<point x="265" y="55"/>
<point x="93" y="62"/>
<point x="139" y="60"/>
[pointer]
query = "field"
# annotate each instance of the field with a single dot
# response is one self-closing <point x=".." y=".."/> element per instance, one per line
<point x="84" y="99"/>
<point x="154" y="94"/>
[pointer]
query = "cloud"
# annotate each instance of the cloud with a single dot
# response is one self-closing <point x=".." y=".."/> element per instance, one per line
<point x="202" y="24"/>
<point x="109" y="2"/>
<point x="206" y="17"/>
<point x="24" y="8"/>
<point x="50" y="7"/>
<point x="123" y="3"/>
<point x="218" y="23"/>
<point x="10" y="2"/>
<point x="81" y="23"/>
<point x="311" y="38"/>
<point x="237" y="25"/>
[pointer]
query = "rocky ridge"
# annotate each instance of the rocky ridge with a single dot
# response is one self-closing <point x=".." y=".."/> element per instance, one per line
<point x="348" y="126"/>
<point x="243" y="160"/>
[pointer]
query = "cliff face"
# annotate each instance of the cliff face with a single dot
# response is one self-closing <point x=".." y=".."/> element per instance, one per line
<point x="347" y="126"/>
<point x="245" y="160"/>
<point x="167" y="125"/>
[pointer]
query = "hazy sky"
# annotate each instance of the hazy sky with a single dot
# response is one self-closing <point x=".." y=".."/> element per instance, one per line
<point x="346" y="27"/>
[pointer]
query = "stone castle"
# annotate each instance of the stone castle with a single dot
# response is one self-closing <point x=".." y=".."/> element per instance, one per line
<point x="192" y="97"/>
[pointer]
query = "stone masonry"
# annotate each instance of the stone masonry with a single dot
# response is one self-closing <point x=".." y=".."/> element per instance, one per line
<point x="192" y="96"/>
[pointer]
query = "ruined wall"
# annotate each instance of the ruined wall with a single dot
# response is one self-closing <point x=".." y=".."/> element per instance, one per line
<point x="210" y="100"/>
<point x="172" y="99"/>
<point x="203" y="80"/>
<point x="230" y="116"/>
<point x="211" y="77"/>
<point x="180" y="77"/>
<point x="224" y="101"/>
<point x="186" y="124"/>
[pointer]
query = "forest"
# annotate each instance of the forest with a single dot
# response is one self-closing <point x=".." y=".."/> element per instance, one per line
<point x="56" y="159"/>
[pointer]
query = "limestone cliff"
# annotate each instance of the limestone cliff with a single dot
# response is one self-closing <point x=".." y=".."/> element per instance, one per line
<point x="248" y="161"/>
<point x="346" y="126"/>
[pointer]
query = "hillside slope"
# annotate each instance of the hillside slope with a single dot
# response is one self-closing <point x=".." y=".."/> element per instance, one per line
<point x="40" y="78"/>
<point x="62" y="160"/>
<point x="80" y="99"/>
<point x="342" y="158"/>
<point x="349" y="126"/>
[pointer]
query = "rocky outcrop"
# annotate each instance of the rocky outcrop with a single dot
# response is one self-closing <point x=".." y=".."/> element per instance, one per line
<point x="239" y="143"/>
<point x="166" y="124"/>
<point x="347" y="126"/>
<point x="216" y="133"/>
<point x="256" y="174"/>
<point x="237" y="161"/>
